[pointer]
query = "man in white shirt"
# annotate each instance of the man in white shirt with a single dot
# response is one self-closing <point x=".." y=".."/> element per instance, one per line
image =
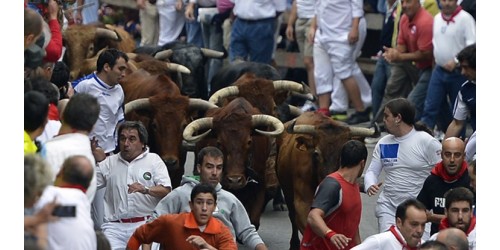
<point x="77" y="230"/>
<point x="135" y="180"/>
<point x="406" y="234"/>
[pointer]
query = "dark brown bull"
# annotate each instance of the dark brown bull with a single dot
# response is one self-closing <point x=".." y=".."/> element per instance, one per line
<point x="308" y="151"/>
<point x="84" y="41"/>
<point x="231" y="128"/>
<point x="156" y="100"/>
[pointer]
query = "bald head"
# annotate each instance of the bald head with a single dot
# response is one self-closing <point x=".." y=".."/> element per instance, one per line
<point x="453" y="155"/>
<point x="453" y="238"/>
<point x="76" y="170"/>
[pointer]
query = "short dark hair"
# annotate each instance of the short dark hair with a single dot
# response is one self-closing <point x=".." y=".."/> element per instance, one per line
<point x="403" y="207"/>
<point x="203" y="188"/>
<point x="353" y="152"/>
<point x="81" y="112"/>
<point x="210" y="151"/>
<point x="36" y="108"/>
<point x="33" y="22"/>
<point x="60" y="74"/>
<point x="137" y="125"/>
<point x="45" y="87"/>
<point x="433" y="245"/>
<point x="74" y="173"/>
<point x="468" y="54"/>
<point x="109" y="56"/>
<point x="403" y="107"/>
<point x="458" y="194"/>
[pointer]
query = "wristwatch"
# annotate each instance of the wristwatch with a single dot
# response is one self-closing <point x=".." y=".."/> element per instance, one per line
<point x="146" y="190"/>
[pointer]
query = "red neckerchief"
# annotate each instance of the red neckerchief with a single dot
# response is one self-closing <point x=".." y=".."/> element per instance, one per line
<point x="53" y="112"/>
<point x="440" y="171"/>
<point x="448" y="20"/>
<point x="444" y="224"/>
<point x="403" y="242"/>
<point x="84" y="190"/>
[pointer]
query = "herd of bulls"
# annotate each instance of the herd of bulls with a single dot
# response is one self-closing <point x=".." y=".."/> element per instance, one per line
<point x="245" y="114"/>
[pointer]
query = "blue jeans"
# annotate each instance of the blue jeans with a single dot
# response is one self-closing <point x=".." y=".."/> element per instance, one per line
<point x="419" y="91"/>
<point x="252" y="40"/>
<point x="379" y="81"/>
<point x="442" y="85"/>
<point x="193" y="30"/>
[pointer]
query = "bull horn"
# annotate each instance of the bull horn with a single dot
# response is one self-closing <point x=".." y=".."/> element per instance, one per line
<point x="301" y="129"/>
<point x="178" y="68"/>
<point x="364" y="132"/>
<point x="137" y="104"/>
<point x="211" y="53"/>
<point x="262" y="120"/>
<point x="197" y="125"/>
<point x="197" y="103"/>
<point x="105" y="33"/>
<point x="308" y="96"/>
<point x="288" y="85"/>
<point x="223" y="93"/>
<point x="131" y="55"/>
<point x="164" y="54"/>
<point x="294" y="111"/>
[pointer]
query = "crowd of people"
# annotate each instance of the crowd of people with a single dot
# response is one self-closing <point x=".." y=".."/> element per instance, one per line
<point x="89" y="170"/>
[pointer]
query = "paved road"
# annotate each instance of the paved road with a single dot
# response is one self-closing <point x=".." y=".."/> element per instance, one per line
<point x="275" y="227"/>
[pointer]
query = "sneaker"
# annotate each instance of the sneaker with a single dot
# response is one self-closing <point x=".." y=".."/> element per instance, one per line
<point x="358" y="117"/>
<point x="309" y="106"/>
<point x="339" y="116"/>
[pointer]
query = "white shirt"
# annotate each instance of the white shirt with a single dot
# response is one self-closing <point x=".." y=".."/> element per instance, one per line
<point x="56" y="150"/>
<point x="334" y="18"/>
<point x="461" y="110"/>
<point x="111" y="100"/>
<point x="51" y="129"/>
<point x="449" y="39"/>
<point x="116" y="174"/>
<point x="305" y="8"/>
<point x="407" y="161"/>
<point x="69" y="232"/>
<point x="381" y="241"/>
<point x="258" y="9"/>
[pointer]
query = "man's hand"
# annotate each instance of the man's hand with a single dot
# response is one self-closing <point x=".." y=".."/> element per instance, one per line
<point x="353" y="36"/>
<point x="178" y="5"/>
<point x="340" y="241"/>
<point x="373" y="189"/>
<point x="141" y="4"/>
<point x="53" y="8"/>
<point x="450" y="65"/>
<point x="391" y="54"/>
<point x="289" y="32"/>
<point x="198" y="242"/>
<point x="97" y="152"/>
<point x="189" y="13"/>
<point x="136" y="187"/>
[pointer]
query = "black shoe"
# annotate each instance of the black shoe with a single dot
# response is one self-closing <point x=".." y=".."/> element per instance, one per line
<point x="358" y="117"/>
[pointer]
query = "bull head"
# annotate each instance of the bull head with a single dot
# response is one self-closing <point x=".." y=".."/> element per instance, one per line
<point x="206" y="123"/>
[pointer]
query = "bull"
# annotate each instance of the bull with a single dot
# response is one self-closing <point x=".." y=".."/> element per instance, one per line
<point x="157" y="101"/>
<point x="231" y="129"/>
<point x="191" y="56"/>
<point x="84" y="41"/>
<point x="308" y="151"/>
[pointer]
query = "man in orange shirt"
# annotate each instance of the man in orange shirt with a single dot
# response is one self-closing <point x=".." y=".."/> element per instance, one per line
<point x="196" y="229"/>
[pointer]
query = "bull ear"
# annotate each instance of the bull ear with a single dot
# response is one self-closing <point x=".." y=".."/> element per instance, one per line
<point x="303" y="143"/>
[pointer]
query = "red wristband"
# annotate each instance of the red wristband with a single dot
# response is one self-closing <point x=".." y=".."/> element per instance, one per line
<point x="329" y="234"/>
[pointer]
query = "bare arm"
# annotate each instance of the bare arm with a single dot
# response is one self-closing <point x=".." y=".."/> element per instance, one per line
<point x="319" y="227"/>
<point x="454" y="128"/>
<point x="291" y="21"/>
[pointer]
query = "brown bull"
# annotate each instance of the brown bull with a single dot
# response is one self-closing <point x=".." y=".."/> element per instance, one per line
<point x="156" y="101"/>
<point x="84" y="41"/>
<point x="231" y="128"/>
<point x="308" y="151"/>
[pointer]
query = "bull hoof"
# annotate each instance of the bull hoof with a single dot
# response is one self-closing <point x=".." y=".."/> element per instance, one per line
<point x="280" y="207"/>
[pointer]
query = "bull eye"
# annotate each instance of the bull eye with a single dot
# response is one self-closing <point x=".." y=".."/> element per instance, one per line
<point x="90" y="50"/>
<point x="249" y="142"/>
